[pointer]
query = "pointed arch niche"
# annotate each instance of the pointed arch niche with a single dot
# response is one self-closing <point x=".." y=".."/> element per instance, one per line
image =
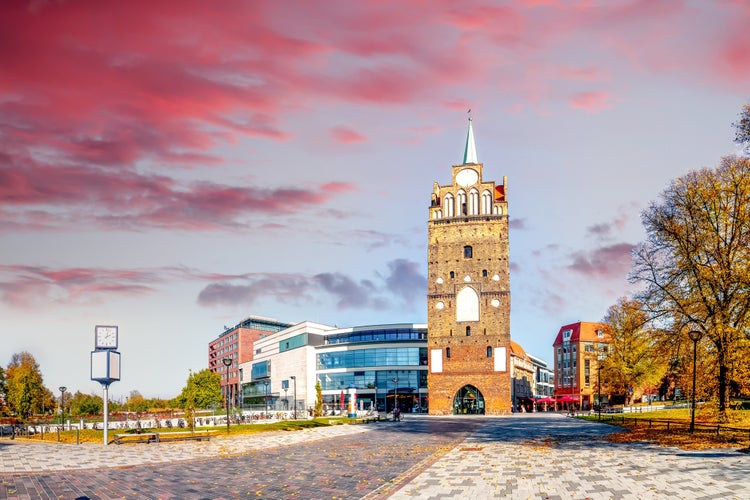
<point x="467" y="305"/>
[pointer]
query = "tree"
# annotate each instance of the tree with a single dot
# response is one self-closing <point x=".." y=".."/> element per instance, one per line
<point x="25" y="386"/>
<point x="85" y="404"/>
<point x="634" y="361"/>
<point x="137" y="403"/>
<point x="202" y="389"/>
<point x="318" y="399"/>
<point x="695" y="263"/>
<point x="742" y="129"/>
<point x="3" y="392"/>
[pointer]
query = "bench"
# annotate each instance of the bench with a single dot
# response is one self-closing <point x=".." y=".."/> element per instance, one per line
<point x="143" y="437"/>
<point x="163" y="437"/>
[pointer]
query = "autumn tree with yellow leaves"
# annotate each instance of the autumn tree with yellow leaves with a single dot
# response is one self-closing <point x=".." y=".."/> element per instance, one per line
<point x="695" y="265"/>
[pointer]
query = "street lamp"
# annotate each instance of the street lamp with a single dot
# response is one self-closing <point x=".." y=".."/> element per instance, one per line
<point x="227" y="362"/>
<point x="395" y="393"/>
<point x="294" y="378"/>
<point x="265" y="395"/>
<point x="695" y="336"/>
<point x="62" y="404"/>
<point x="600" y="358"/>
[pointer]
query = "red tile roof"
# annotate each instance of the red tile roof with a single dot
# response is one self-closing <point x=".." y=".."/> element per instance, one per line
<point x="584" y="331"/>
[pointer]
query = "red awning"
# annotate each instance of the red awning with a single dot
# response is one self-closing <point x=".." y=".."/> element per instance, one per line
<point x="568" y="399"/>
<point x="545" y="400"/>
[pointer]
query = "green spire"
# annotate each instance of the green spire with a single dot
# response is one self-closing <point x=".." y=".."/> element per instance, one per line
<point x="470" y="153"/>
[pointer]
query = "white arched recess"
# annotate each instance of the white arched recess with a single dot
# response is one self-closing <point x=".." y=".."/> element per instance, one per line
<point x="467" y="305"/>
<point x="448" y="204"/>
<point x="486" y="202"/>
<point x="473" y="202"/>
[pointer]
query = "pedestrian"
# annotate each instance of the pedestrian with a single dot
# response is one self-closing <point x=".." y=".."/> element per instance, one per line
<point x="396" y="414"/>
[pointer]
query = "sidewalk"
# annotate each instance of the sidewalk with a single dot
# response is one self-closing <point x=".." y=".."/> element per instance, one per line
<point x="544" y="456"/>
<point x="528" y="457"/>
<point x="32" y="456"/>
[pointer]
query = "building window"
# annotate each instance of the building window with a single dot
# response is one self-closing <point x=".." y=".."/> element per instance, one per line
<point x="484" y="273"/>
<point x="468" y="252"/>
<point x="448" y="352"/>
<point x="453" y="275"/>
<point x="587" y="372"/>
<point x="468" y="331"/>
<point x="489" y="351"/>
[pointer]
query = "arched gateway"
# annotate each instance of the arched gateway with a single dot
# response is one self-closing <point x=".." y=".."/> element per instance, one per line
<point x="468" y="401"/>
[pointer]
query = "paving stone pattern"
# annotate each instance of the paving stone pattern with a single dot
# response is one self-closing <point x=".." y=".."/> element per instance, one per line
<point x="555" y="458"/>
<point x="538" y="456"/>
<point x="347" y="461"/>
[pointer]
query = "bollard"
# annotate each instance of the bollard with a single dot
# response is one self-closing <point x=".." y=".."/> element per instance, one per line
<point x="77" y="442"/>
<point x="58" y="434"/>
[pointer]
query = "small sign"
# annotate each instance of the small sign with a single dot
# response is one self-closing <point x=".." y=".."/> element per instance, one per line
<point x="105" y="366"/>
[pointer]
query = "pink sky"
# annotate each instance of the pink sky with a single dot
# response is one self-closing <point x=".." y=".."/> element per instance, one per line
<point x="173" y="167"/>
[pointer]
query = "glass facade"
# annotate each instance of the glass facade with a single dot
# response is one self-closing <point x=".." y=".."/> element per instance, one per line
<point x="261" y="369"/>
<point x="381" y="356"/>
<point x="385" y="373"/>
<point x="378" y="335"/>
<point x="382" y="380"/>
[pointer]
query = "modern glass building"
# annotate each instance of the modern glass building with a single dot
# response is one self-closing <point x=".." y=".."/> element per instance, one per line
<point x="387" y="364"/>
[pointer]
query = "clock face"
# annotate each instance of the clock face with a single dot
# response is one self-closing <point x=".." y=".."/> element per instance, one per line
<point x="467" y="177"/>
<point x="106" y="337"/>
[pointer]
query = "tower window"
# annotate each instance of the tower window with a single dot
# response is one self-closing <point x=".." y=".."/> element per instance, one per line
<point x="468" y="331"/>
<point x="453" y="275"/>
<point x="468" y="252"/>
<point x="484" y="273"/>
<point x="489" y="351"/>
<point x="448" y="352"/>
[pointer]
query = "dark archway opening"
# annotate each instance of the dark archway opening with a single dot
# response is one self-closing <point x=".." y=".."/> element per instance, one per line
<point x="468" y="401"/>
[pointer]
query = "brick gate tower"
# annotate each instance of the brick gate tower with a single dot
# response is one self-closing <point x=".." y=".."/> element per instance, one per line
<point x="468" y="298"/>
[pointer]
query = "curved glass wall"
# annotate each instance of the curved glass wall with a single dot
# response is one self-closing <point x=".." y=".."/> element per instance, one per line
<point x="382" y="380"/>
<point x="378" y="335"/>
<point x="381" y="356"/>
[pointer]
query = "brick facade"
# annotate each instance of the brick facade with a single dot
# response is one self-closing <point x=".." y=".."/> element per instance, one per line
<point x="468" y="297"/>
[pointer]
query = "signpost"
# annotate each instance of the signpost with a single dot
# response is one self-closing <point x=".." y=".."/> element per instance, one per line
<point x="105" y="365"/>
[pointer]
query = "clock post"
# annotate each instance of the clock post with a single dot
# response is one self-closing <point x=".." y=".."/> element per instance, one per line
<point x="105" y="365"/>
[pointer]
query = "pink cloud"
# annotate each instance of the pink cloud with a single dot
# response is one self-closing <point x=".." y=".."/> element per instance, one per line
<point x="31" y="286"/>
<point x="593" y="102"/>
<point x="346" y="135"/>
<point x="585" y="73"/>
<point x="612" y="261"/>
<point x="127" y="200"/>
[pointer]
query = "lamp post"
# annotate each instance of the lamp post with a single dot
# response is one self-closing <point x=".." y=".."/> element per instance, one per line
<point x="227" y="362"/>
<point x="265" y="395"/>
<point x="395" y="393"/>
<point x="294" y="378"/>
<point x="695" y="336"/>
<point x="599" y="359"/>
<point x="62" y="404"/>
